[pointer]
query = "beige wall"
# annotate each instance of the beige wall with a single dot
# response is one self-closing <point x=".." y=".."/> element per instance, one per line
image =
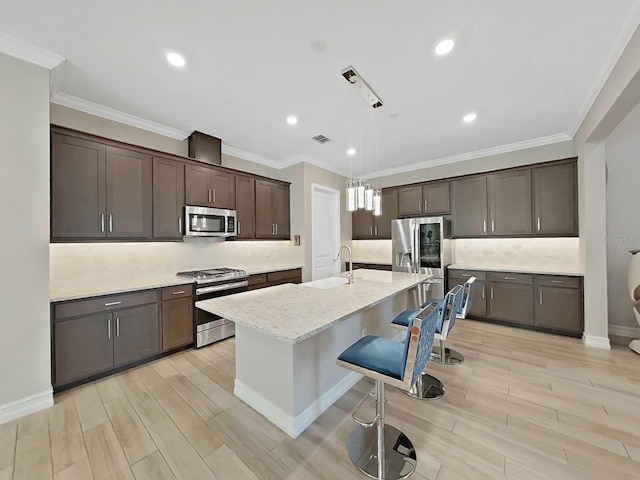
<point x="25" y="369"/>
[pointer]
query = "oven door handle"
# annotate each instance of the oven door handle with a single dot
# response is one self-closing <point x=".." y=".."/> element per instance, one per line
<point x="220" y="288"/>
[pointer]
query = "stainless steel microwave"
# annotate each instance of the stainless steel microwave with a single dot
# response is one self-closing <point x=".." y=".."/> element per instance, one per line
<point x="209" y="222"/>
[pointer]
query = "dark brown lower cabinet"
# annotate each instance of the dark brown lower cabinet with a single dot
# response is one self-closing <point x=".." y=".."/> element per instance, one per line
<point x="479" y="301"/>
<point x="177" y="323"/>
<point x="137" y="334"/>
<point x="559" y="305"/>
<point x="257" y="281"/>
<point x="284" y="276"/>
<point x="83" y="346"/>
<point x="511" y="302"/>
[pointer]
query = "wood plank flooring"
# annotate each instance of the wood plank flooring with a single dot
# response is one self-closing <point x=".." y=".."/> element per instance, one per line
<point x="524" y="405"/>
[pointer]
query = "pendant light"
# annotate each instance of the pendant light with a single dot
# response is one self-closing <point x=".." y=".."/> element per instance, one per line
<point x="377" y="202"/>
<point x="351" y="195"/>
<point x="360" y="193"/>
<point x="368" y="197"/>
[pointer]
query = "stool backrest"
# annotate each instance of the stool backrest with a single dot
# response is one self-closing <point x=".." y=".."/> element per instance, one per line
<point x="420" y="342"/>
<point x="450" y="308"/>
<point x="467" y="297"/>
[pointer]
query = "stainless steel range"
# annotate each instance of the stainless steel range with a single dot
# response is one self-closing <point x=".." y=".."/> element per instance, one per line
<point x="213" y="283"/>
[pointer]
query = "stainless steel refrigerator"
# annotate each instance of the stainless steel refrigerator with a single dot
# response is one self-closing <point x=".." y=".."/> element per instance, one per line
<point x="423" y="245"/>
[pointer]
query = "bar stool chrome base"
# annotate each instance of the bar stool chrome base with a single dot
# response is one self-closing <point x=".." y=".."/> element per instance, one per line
<point x="427" y="387"/>
<point x="399" y="454"/>
<point x="451" y="357"/>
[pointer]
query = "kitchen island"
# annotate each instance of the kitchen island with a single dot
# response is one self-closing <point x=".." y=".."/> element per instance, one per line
<point x="289" y="336"/>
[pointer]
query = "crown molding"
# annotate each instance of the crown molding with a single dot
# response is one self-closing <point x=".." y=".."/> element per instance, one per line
<point x="29" y="53"/>
<point x="117" y="116"/>
<point x="252" y="157"/>
<point x="620" y="43"/>
<point x="510" y="147"/>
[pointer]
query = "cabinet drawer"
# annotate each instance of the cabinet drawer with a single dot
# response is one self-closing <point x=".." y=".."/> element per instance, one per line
<point x="104" y="304"/>
<point x="558" y="281"/>
<point x="467" y="274"/>
<point x="257" y="280"/>
<point x="511" y="277"/>
<point x="284" y="275"/>
<point x="177" y="291"/>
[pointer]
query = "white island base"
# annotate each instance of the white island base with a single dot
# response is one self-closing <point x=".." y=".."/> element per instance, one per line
<point x="293" y="384"/>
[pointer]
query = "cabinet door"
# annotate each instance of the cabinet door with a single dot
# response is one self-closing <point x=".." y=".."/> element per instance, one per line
<point x="246" y="207"/>
<point x="265" y="226"/>
<point x="362" y="224"/>
<point x="510" y="203"/>
<point x="82" y="347"/>
<point x="137" y="334"/>
<point x="281" y="211"/>
<point x="555" y="200"/>
<point x="512" y="302"/>
<point x="129" y="194"/>
<point x="168" y="198"/>
<point x="435" y="198"/>
<point x="558" y="307"/>
<point x="469" y="207"/>
<point x="223" y="189"/>
<point x="177" y="323"/>
<point x="78" y="198"/>
<point x="410" y="201"/>
<point x="382" y="223"/>
<point x="198" y="185"/>
<point x="479" y="301"/>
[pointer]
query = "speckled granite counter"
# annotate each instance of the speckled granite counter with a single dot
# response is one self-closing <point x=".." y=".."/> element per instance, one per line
<point x="526" y="269"/>
<point x="292" y="313"/>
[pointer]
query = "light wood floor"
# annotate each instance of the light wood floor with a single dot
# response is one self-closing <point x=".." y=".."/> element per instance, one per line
<point x="524" y="405"/>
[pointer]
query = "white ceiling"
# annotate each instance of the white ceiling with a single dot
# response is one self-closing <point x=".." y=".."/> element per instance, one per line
<point x="529" y="69"/>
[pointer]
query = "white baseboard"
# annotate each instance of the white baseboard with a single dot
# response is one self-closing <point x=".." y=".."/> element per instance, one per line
<point x="25" y="406"/>
<point x="622" y="331"/>
<point x="294" y="426"/>
<point x="596" y="342"/>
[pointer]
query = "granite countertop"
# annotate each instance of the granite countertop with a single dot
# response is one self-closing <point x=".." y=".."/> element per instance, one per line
<point x="101" y="286"/>
<point x="525" y="269"/>
<point x="292" y="313"/>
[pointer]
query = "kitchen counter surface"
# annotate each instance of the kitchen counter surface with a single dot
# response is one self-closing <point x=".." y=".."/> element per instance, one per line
<point x="534" y="270"/>
<point x="292" y="313"/>
<point x="60" y="293"/>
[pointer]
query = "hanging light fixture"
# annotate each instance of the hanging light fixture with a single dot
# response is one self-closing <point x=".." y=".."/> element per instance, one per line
<point x="377" y="202"/>
<point x="351" y="195"/>
<point x="360" y="193"/>
<point x="368" y="196"/>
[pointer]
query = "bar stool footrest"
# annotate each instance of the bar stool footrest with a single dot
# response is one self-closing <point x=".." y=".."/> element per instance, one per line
<point x="451" y="357"/>
<point x="400" y="456"/>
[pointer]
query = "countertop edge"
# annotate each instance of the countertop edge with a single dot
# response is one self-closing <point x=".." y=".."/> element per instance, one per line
<point x="533" y="271"/>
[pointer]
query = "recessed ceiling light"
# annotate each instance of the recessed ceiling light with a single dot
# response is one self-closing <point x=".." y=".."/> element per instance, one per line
<point x="469" y="117"/>
<point x="292" y="119"/>
<point x="351" y="151"/>
<point x="176" y="59"/>
<point x="318" y="45"/>
<point x="444" y="47"/>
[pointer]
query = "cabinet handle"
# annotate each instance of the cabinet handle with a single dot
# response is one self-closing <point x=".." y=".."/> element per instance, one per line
<point x="178" y="293"/>
<point x="102" y="222"/>
<point x="376" y="230"/>
<point x="466" y="275"/>
<point x="491" y="289"/>
<point x="276" y="229"/>
<point x="493" y="225"/>
<point x="238" y="229"/>
<point x="557" y="281"/>
<point x="117" y="326"/>
<point x="111" y="304"/>
<point x="110" y="223"/>
<point x="209" y="195"/>
<point x="538" y="223"/>
<point x="214" y="195"/>
<point x="371" y="231"/>
<point x="509" y="278"/>
<point x="425" y="205"/>
<point x="540" y="297"/>
<point x="483" y="291"/>
<point x="179" y="225"/>
<point x="484" y="226"/>
<point x="109" y="329"/>
<point x="419" y="206"/>
<point x="273" y="229"/>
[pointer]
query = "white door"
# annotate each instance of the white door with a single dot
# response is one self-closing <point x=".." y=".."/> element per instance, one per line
<point x="325" y="218"/>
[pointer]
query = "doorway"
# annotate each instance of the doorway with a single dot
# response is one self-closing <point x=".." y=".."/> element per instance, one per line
<point x="325" y="231"/>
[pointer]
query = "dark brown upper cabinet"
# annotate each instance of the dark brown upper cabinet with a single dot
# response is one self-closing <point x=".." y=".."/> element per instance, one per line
<point x="510" y="203"/>
<point x="208" y="187"/>
<point x="99" y="191"/>
<point x="246" y="207"/>
<point x="555" y="202"/>
<point x="168" y="198"/>
<point x="366" y="226"/>
<point x="205" y="148"/>
<point x="469" y="207"/>
<point x="432" y="198"/>
<point x="272" y="210"/>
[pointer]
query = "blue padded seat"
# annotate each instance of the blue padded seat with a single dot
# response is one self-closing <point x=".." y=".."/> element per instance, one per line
<point x="381" y="355"/>
<point x="405" y="318"/>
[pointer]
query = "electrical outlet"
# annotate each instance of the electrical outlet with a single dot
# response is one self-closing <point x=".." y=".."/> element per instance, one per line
<point x="549" y="252"/>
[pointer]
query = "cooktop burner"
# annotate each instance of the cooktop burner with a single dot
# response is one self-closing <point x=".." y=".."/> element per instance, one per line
<point x="213" y="274"/>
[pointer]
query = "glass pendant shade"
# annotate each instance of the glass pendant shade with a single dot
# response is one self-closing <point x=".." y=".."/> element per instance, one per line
<point x="377" y="202"/>
<point x="351" y="196"/>
<point x="360" y="194"/>
<point x="368" y="197"/>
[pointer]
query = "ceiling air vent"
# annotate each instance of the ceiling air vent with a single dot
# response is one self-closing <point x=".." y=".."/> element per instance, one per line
<point x="321" y="139"/>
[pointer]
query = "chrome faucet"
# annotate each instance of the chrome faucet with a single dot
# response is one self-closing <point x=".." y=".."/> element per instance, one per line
<point x="350" y="274"/>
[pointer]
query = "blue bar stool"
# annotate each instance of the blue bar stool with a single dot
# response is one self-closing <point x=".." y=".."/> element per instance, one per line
<point x="429" y="387"/>
<point x="385" y="452"/>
